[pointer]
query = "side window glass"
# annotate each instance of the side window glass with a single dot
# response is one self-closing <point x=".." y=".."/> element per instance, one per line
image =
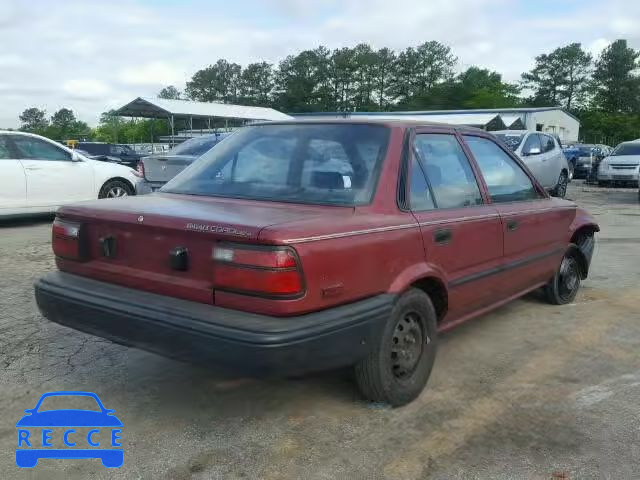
<point x="419" y="193"/>
<point x="532" y="145"/>
<point x="34" y="149"/>
<point x="505" y="179"/>
<point x="448" y="171"/>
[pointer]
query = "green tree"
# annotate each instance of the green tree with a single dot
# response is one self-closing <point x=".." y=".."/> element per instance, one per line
<point x="34" y="120"/>
<point x="617" y="85"/>
<point x="219" y="82"/>
<point x="169" y="93"/>
<point x="384" y="62"/>
<point x="479" y="88"/>
<point x="256" y="84"/>
<point x="65" y="126"/>
<point x="560" y="77"/>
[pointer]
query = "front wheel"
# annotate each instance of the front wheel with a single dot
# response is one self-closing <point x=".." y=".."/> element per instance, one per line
<point x="115" y="189"/>
<point x="399" y="365"/>
<point x="564" y="285"/>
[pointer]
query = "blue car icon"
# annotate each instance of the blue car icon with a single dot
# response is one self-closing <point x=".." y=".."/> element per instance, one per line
<point x="28" y="456"/>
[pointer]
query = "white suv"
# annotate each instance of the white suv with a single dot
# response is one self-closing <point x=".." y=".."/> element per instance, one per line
<point x="37" y="175"/>
<point x="543" y="155"/>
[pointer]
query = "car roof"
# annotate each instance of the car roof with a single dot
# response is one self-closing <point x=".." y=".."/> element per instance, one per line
<point x="389" y="122"/>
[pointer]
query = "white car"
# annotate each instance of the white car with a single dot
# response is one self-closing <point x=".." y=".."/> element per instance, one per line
<point x="623" y="165"/>
<point x="37" y="175"/>
<point x="543" y="155"/>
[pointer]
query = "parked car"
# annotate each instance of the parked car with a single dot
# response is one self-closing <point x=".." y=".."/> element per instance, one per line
<point x="109" y="152"/>
<point x="622" y="166"/>
<point x="38" y="175"/>
<point x="302" y="246"/>
<point x="158" y="169"/>
<point x="543" y="155"/>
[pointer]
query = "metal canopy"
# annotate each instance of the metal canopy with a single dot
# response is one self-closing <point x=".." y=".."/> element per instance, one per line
<point x="163" y="108"/>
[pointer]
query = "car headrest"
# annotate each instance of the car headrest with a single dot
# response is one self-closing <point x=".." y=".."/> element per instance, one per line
<point x="327" y="180"/>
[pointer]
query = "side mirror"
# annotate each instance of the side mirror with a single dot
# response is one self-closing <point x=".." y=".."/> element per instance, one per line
<point x="75" y="157"/>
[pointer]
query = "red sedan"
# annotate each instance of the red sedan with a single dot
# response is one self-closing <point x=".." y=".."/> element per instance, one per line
<point x="304" y="246"/>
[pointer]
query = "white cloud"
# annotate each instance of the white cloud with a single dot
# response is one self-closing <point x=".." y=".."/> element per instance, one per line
<point x="152" y="73"/>
<point x="86" y="88"/>
<point x="92" y="56"/>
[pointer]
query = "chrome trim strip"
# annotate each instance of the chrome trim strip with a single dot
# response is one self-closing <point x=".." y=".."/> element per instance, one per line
<point x="459" y="219"/>
<point x="351" y="234"/>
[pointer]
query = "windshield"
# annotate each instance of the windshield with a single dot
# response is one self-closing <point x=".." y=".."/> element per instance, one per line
<point x="511" y="140"/>
<point x="627" y="149"/>
<point x="323" y="164"/>
<point x="195" y="146"/>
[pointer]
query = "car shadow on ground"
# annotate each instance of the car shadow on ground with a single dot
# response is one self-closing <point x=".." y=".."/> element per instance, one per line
<point x="27" y="221"/>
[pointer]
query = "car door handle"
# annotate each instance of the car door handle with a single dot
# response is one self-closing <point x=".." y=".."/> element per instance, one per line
<point x="32" y="168"/>
<point x="512" y="225"/>
<point x="442" y="236"/>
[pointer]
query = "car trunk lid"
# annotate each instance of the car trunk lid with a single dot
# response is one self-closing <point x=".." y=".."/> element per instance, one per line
<point x="135" y="241"/>
<point x="162" y="168"/>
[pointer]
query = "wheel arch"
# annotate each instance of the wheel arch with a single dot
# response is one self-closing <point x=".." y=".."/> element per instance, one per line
<point x="438" y="293"/>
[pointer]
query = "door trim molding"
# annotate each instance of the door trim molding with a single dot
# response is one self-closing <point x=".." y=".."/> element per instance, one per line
<point x="504" y="267"/>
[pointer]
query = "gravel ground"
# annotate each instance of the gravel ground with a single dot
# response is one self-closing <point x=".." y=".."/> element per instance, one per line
<point x="528" y="391"/>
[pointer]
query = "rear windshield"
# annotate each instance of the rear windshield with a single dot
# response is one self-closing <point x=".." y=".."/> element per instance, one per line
<point x="627" y="149"/>
<point x="195" y="146"/>
<point x="585" y="151"/>
<point x="321" y="164"/>
<point x="511" y="140"/>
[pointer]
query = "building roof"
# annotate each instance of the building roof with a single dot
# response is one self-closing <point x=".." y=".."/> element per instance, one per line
<point x="495" y="111"/>
<point x="162" y="108"/>
<point x="478" y="119"/>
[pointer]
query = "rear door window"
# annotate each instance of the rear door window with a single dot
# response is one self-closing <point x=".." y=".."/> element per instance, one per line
<point x="448" y="171"/>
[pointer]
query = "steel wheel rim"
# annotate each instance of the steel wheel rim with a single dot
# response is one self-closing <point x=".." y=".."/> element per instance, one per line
<point x="568" y="278"/>
<point x="115" y="192"/>
<point x="407" y="345"/>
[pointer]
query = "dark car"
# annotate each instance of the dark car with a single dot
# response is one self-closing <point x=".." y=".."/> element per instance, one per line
<point x="110" y="152"/>
<point x="160" y="168"/>
<point x="301" y="246"/>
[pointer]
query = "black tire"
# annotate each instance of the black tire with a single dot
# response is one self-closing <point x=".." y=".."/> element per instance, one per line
<point x="564" y="285"/>
<point x="397" y="369"/>
<point x="115" y="188"/>
<point x="560" y="189"/>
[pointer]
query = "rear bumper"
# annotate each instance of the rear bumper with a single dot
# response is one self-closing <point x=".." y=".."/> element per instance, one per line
<point x="144" y="186"/>
<point x="238" y="341"/>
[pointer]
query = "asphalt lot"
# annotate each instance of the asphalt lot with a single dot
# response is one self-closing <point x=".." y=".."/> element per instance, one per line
<point x="529" y="391"/>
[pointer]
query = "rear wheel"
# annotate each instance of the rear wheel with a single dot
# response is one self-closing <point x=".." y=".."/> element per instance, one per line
<point x="398" y="367"/>
<point x="115" y="189"/>
<point x="564" y="285"/>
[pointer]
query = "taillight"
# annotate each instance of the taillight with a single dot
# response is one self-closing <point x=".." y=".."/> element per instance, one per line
<point x="66" y="239"/>
<point x="257" y="270"/>
<point x="140" y="169"/>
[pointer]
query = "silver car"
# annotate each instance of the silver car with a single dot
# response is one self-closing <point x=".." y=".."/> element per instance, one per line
<point x="622" y="166"/>
<point x="158" y="169"/>
<point x="543" y="155"/>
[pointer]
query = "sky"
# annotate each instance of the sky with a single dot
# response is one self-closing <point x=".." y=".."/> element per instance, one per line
<point x="93" y="56"/>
